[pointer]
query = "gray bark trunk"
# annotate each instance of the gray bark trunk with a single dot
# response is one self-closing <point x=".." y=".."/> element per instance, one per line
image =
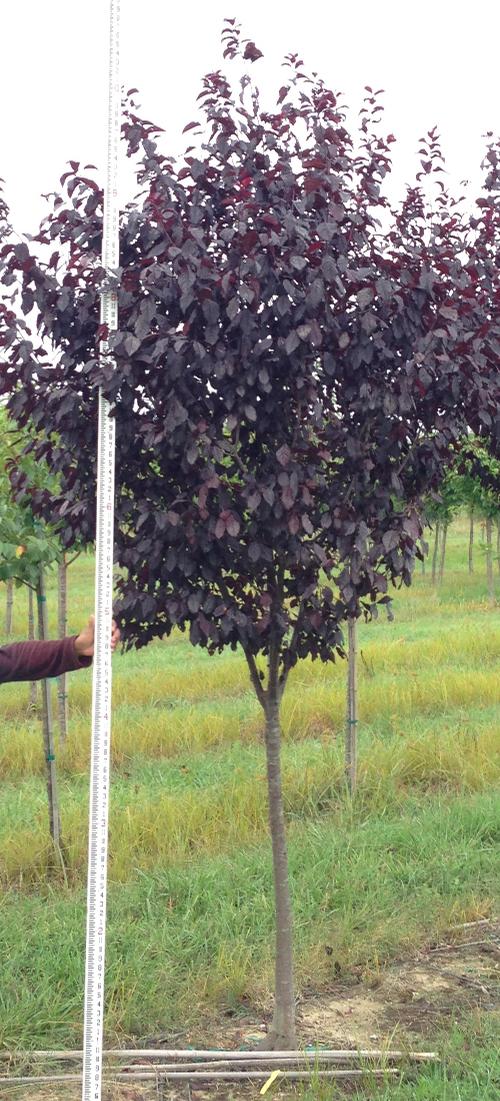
<point x="471" y="541"/>
<point x="425" y="552"/>
<point x="48" y="730"/>
<point x="31" y="635"/>
<point x="443" y="551"/>
<point x="351" y="734"/>
<point x="62" y="682"/>
<point x="9" y="608"/>
<point x="489" y="560"/>
<point x="435" y="553"/>
<point x="282" y="1035"/>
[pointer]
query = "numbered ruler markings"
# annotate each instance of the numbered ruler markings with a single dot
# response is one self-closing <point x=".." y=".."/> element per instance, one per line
<point x="101" y="691"/>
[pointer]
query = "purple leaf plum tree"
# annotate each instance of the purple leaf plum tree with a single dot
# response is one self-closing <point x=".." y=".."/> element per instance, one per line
<point x="294" y="362"/>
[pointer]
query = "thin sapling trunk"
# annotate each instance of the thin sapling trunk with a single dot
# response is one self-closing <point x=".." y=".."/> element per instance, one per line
<point x="471" y="541"/>
<point x="435" y="553"/>
<point x="9" y="608"/>
<point x="443" y="551"/>
<point x="282" y="1034"/>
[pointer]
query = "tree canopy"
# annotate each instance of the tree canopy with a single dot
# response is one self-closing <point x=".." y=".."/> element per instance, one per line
<point x="288" y="376"/>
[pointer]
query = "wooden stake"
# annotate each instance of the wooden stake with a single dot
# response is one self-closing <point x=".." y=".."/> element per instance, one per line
<point x="489" y="560"/>
<point x="48" y="730"/>
<point x="351" y="738"/>
<point x="62" y="681"/>
<point x="435" y="552"/>
<point x="31" y="635"/>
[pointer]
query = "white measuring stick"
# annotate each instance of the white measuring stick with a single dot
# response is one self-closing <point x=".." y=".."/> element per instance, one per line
<point x="101" y="687"/>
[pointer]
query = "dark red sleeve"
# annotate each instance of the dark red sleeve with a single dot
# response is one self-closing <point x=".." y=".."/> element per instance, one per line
<point x="37" y="660"/>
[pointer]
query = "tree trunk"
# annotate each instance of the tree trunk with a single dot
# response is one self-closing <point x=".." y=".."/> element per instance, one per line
<point x="62" y="682"/>
<point x="351" y="734"/>
<point x="282" y="1035"/>
<point x="498" y="545"/>
<point x="31" y="635"/>
<point x="489" y="560"/>
<point x="48" y="731"/>
<point x="9" y="607"/>
<point x="471" y="540"/>
<point x="435" y="553"/>
<point x="443" y="551"/>
<point x="423" y="558"/>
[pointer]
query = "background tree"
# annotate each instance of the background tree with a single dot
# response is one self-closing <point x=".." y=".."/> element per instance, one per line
<point x="25" y="470"/>
<point x="27" y="547"/>
<point x="287" y="383"/>
<point x="478" y="484"/>
<point x="440" y="510"/>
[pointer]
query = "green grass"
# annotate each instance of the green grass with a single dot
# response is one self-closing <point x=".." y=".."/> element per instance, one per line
<point x="469" y="1070"/>
<point x="190" y="906"/>
<point x="196" y="938"/>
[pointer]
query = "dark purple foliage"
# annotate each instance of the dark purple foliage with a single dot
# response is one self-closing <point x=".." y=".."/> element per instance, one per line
<point x="294" y="362"/>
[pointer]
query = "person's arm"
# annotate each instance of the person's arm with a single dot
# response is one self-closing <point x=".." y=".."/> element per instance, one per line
<point x="38" y="660"/>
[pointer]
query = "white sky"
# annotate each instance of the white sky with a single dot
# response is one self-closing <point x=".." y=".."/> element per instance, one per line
<point x="438" y="61"/>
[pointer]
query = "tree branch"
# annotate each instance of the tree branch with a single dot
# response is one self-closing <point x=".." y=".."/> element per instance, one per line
<point x="255" y="679"/>
<point x="293" y="641"/>
<point x="73" y="559"/>
<point x="250" y="659"/>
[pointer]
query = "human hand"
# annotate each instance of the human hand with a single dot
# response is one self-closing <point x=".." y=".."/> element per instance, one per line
<point x="84" y="643"/>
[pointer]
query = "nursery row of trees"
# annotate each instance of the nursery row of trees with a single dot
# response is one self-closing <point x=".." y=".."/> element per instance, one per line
<point x="29" y="547"/>
<point x="297" y="365"/>
<point x="472" y="482"/>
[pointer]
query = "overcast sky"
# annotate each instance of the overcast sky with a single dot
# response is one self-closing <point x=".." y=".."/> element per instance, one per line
<point x="438" y="61"/>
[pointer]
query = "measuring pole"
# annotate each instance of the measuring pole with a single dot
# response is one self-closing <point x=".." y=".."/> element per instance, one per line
<point x="101" y="687"/>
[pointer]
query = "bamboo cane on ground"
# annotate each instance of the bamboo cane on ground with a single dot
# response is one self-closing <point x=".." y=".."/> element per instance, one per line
<point x="217" y="1055"/>
<point x="203" y="1076"/>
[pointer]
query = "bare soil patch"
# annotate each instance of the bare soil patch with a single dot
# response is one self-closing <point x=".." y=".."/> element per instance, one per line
<point x="404" y="1006"/>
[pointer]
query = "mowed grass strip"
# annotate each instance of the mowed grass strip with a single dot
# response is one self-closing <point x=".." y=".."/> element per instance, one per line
<point x="399" y="680"/>
<point x="186" y="942"/>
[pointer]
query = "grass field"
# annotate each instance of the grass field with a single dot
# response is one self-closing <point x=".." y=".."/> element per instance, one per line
<point x="190" y="900"/>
